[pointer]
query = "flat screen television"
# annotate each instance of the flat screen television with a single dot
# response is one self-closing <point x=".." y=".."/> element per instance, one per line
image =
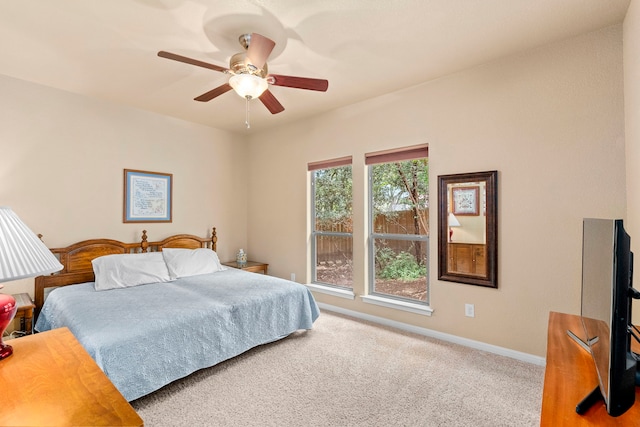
<point x="607" y="271"/>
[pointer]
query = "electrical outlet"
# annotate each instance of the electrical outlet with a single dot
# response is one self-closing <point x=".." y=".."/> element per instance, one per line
<point x="469" y="310"/>
<point x="293" y="277"/>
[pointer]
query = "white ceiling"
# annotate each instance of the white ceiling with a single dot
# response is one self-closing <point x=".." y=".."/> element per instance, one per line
<point x="108" y="48"/>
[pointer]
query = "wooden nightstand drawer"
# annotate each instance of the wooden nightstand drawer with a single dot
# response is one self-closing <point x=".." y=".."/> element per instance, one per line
<point x="25" y="312"/>
<point x="252" y="266"/>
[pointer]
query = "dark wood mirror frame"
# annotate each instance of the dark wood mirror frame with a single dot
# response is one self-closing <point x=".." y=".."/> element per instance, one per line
<point x="489" y="207"/>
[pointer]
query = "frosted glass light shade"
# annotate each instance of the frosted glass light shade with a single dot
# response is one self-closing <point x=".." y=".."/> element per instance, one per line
<point x="248" y="85"/>
<point x="22" y="253"/>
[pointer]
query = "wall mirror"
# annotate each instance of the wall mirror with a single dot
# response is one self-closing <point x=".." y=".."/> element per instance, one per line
<point x="468" y="228"/>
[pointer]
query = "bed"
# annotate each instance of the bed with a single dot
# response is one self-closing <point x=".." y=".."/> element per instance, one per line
<point x="146" y="336"/>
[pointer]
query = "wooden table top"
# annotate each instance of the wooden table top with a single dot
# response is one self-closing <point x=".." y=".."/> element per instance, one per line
<point x="23" y="301"/>
<point x="570" y="375"/>
<point x="51" y="380"/>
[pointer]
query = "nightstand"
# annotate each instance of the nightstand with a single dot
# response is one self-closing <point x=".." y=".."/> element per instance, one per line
<point x="25" y="312"/>
<point x="252" y="266"/>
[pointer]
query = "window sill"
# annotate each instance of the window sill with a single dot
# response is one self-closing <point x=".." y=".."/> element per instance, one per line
<point x="330" y="290"/>
<point x="398" y="305"/>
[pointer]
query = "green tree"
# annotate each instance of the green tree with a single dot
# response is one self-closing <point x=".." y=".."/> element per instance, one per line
<point x="333" y="201"/>
<point x="402" y="186"/>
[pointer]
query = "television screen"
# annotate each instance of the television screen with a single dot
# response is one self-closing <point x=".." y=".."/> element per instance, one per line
<point x="606" y="282"/>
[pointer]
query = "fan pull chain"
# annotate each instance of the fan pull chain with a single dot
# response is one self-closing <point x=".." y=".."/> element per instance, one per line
<point x="246" y="119"/>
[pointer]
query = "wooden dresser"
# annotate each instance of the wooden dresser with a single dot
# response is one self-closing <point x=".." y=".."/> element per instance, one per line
<point x="51" y="380"/>
<point x="468" y="258"/>
<point x="569" y="376"/>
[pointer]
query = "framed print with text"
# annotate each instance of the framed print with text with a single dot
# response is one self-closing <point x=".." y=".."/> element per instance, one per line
<point x="147" y="196"/>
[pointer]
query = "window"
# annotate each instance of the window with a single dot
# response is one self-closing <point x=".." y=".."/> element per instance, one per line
<point x="399" y="224"/>
<point x="331" y="215"/>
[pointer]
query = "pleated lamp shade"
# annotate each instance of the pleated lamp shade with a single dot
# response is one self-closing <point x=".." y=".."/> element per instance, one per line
<point x="453" y="221"/>
<point x="22" y="253"/>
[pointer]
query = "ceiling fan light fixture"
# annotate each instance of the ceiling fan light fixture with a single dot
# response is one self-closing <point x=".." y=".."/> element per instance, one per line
<point x="248" y="85"/>
<point x="250" y="77"/>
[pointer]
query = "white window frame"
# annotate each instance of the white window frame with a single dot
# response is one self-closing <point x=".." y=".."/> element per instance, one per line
<point x="327" y="288"/>
<point x="373" y="297"/>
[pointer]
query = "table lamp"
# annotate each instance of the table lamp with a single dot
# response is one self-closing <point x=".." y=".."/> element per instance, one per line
<point x="22" y="255"/>
<point x="453" y="222"/>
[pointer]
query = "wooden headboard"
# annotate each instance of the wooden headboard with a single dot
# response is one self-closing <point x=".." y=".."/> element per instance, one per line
<point x="76" y="258"/>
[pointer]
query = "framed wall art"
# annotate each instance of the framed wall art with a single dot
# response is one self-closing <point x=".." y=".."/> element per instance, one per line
<point x="465" y="200"/>
<point x="147" y="196"/>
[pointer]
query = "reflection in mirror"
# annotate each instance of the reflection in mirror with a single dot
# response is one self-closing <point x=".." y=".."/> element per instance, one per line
<point x="467" y="225"/>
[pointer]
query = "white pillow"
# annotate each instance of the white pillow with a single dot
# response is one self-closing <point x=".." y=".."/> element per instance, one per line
<point x="191" y="262"/>
<point x="126" y="270"/>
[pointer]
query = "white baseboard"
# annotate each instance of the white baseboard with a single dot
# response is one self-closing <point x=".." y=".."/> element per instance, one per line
<point x="478" y="345"/>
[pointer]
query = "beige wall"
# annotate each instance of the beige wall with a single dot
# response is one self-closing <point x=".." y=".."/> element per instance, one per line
<point x="551" y="121"/>
<point x="61" y="169"/>
<point x="632" y="133"/>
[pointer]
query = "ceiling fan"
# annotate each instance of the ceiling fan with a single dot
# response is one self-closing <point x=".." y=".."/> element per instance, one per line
<point x="249" y="75"/>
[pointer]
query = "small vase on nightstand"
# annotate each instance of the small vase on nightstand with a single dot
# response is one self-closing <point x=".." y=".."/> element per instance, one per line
<point x="241" y="258"/>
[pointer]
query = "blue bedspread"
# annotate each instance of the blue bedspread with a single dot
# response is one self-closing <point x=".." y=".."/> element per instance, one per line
<point x="147" y="336"/>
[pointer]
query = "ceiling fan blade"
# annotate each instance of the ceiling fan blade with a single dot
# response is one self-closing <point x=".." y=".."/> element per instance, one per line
<point x="213" y="93"/>
<point x="299" y="82"/>
<point x="259" y="49"/>
<point x="271" y="102"/>
<point x="191" y="61"/>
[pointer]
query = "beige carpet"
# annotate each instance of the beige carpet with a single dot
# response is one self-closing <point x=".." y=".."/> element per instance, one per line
<point x="347" y="372"/>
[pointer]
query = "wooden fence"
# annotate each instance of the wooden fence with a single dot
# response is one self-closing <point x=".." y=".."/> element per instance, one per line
<point x="334" y="248"/>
